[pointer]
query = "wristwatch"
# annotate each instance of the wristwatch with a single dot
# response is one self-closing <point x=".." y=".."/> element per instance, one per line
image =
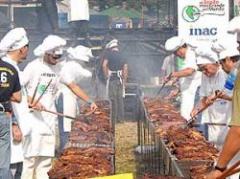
<point x="222" y="169"/>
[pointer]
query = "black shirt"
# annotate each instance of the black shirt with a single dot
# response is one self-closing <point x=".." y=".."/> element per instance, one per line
<point x="9" y="81"/>
<point x="115" y="60"/>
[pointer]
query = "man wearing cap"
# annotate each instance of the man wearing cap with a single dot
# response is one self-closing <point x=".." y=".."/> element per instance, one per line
<point x="21" y="112"/>
<point x="213" y="80"/>
<point x="190" y="78"/>
<point x="74" y="69"/>
<point x="13" y="47"/>
<point x="116" y="71"/>
<point x="43" y="77"/>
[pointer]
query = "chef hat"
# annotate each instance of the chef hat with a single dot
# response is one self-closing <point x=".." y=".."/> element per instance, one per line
<point x="173" y="43"/>
<point x="112" y="43"/>
<point x="205" y="55"/>
<point x="13" y="40"/>
<point x="229" y="52"/>
<point x="234" y="25"/>
<point x="80" y="53"/>
<point x="51" y="44"/>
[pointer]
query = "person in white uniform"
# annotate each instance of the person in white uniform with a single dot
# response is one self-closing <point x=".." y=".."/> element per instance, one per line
<point x="213" y="79"/>
<point x="190" y="78"/>
<point x="39" y="146"/>
<point x="73" y="68"/>
<point x="13" y="50"/>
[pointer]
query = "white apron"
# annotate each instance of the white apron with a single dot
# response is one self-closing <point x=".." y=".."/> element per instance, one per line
<point x="69" y="107"/>
<point x="218" y="113"/>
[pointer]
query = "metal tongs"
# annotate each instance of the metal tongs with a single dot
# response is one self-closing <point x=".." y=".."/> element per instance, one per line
<point x="190" y="122"/>
<point x="169" y="77"/>
<point x="34" y="103"/>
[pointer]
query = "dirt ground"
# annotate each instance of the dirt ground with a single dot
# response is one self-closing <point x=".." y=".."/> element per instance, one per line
<point x="126" y="141"/>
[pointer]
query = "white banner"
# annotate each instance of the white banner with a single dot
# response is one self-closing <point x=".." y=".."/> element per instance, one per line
<point x="236" y="7"/>
<point x="202" y="19"/>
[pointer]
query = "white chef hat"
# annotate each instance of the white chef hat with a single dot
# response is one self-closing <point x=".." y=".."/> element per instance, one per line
<point x="229" y="52"/>
<point x="173" y="43"/>
<point x="50" y="44"/>
<point x="205" y="55"/>
<point x="80" y="53"/>
<point x="13" y="40"/>
<point x="112" y="43"/>
<point x="234" y="25"/>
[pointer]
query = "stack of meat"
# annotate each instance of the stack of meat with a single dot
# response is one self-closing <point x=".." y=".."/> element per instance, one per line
<point x="189" y="144"/>
<point x="93" y="128"/>
<point x="185" y="144"/>
<point x="82" y="163"/>
<point x="89" y="152"/>
<point x="162" y="115"/>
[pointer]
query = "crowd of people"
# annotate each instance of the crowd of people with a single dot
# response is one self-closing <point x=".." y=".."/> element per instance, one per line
<point x="28" y="131"/>
<point x="213" y="67"/>
<point x="28" y="134"/>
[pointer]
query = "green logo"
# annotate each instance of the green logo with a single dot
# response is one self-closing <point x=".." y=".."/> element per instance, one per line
<point x="191" y="13"/>
<point x="41" y="88"/>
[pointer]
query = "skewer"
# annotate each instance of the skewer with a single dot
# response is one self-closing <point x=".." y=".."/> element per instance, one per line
<point x="230" y="171"/>
<point x="58" y="114"/>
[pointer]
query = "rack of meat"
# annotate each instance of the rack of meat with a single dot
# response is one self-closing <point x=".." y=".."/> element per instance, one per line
<point x="180" y="151"/>
<point x="90" y="150"/>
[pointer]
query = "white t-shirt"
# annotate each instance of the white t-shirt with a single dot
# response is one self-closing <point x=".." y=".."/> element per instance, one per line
<point x="41" y="73"/>
<point x="72" y="72"/>
<point x="190" y="62"/>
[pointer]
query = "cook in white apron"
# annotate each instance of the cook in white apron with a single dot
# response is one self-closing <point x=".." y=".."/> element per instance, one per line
<point x="190" y="80"/>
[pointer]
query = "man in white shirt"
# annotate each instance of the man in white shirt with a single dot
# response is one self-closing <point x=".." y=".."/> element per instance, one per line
<point x="190" y="78"/>
<point x="74" y="70"/>
<point x="44" y="73"/>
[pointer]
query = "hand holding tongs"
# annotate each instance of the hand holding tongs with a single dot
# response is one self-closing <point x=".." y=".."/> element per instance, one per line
<point x="34" y="103"/>
<point x="168" y="78"/>
<point x="193" y="118"/>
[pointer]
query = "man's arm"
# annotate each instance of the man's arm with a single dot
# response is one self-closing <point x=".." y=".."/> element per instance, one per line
<point x="183" y="73"/>
<point x="81" y="94"/>
<point x="105" y="67"/>
<point x="230" y="149"/>
<point x="199" y="106"/>
<point x="16" y="97"/>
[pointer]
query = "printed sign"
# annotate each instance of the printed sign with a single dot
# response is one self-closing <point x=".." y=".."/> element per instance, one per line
<point x="203" y="19"/>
